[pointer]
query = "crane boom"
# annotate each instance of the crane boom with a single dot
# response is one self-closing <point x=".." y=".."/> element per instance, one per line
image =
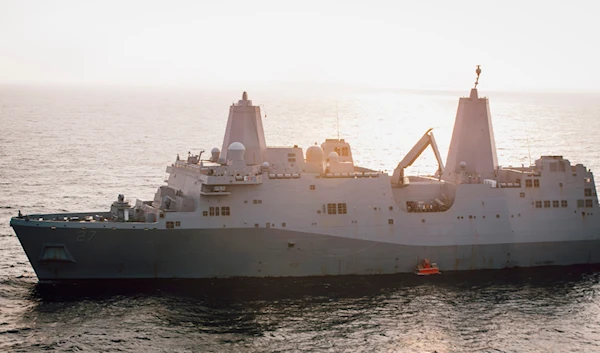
<point x="426" y="140"/>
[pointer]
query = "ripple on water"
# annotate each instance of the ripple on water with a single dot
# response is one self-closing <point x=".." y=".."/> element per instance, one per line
<point x="485" y="311"/>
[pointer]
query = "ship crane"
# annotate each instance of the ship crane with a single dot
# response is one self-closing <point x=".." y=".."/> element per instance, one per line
<point x="426" y="140"/>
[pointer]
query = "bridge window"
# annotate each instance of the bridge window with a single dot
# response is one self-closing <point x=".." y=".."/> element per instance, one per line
<point x="521" y="195"/>
<point x="580" y="203"/>
<point x="312" y="187"/>
<point x="546" y="204"/>
<point x="538" y="204"/>
<point x="390" y="221"/>
<point x="589" y="203"/>
<point x="331" y="208"/>
<point x="562" y="166"/>
<point x="536" y="183"/>
<point x="555" y="203"/>
<point x="170" y="225"/>
<point x="528" y="183"/>
<point x="345" y="152"/>
<point x="339" y="208"/>
<point x="563" y="203"/>
<point x="587" y="192"/>
<point x="214" y="211"/>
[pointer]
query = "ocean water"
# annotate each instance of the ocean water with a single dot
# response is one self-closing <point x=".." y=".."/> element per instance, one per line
<point x="75" y="149"/>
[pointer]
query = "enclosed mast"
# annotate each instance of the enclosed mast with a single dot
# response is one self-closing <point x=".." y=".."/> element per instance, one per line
<point x="472" y="148"/>
<point x="244" y="125"/>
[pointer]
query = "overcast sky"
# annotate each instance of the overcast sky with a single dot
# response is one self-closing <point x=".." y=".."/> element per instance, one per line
<point x="521" y="45"/>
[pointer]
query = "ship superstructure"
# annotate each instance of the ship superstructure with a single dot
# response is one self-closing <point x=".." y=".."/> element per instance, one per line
<point x="258" y="211"/>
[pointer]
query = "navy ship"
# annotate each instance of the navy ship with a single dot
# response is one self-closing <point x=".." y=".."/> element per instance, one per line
<point x="250" y="210"/>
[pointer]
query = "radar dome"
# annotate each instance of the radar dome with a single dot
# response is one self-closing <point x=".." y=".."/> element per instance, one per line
<point x="333" y="157"/>
<point x="236" y="151"/>
<point x="214" y="154"/>
<point x="265" y="165"/>
<point x="315" y="154"/>
<point x="463" y="165"/>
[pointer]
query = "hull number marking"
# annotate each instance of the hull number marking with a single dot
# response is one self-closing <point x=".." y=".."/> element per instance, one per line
<point x="85" y="235"/>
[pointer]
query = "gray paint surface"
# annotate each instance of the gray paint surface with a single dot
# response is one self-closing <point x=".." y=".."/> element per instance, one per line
<point x="269" y="253"/>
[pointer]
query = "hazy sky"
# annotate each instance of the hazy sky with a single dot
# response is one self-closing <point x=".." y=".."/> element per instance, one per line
<point x="521" y="45"/>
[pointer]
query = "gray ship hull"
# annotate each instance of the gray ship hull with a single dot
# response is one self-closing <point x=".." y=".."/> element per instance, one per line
<point x="70" y="254"/>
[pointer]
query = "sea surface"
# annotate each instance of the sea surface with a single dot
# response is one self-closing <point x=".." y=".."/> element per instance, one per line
<point x="76" y="148"/>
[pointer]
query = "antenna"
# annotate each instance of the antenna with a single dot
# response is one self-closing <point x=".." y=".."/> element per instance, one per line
<point x="478" y="72"/>
<point x="264" y="109"/>
<point x="528" y="150"/>
<point x="527" y="134"/>
<point x="337" y="120"/>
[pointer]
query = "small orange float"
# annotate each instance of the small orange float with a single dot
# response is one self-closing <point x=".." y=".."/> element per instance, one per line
<point x="426" y="268"/>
